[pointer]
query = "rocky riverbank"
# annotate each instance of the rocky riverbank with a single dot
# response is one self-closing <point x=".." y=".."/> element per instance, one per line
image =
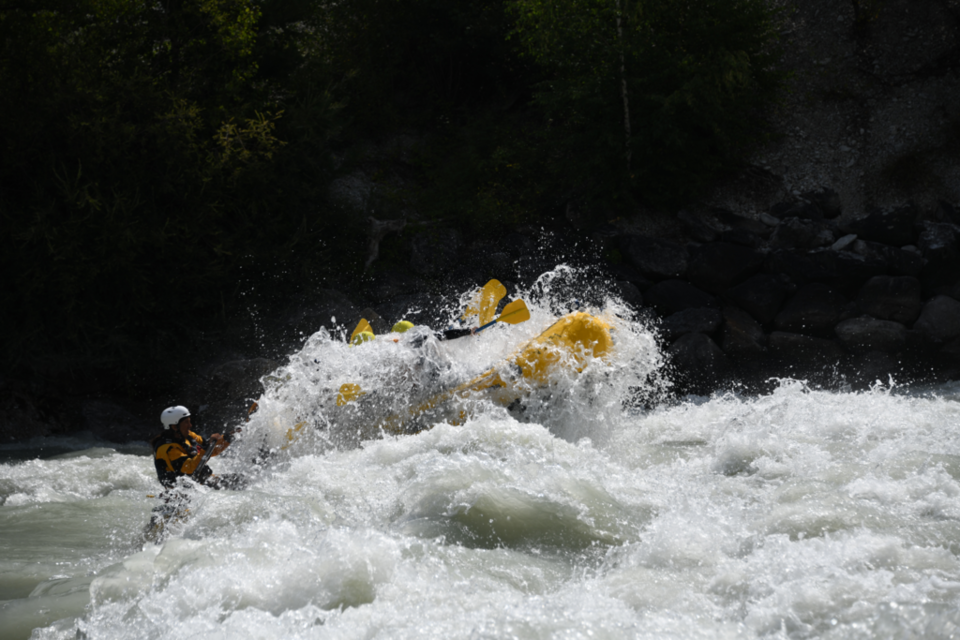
<point x="833" y="256"/>
<point x="799" y="293"/>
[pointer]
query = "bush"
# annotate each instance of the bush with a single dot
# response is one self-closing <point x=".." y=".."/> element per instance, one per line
<point x="651" y="98"/>
<point x="145" y="161"/>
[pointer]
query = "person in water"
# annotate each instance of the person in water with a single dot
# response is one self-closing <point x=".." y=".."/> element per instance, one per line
<point x="178" y="451"/>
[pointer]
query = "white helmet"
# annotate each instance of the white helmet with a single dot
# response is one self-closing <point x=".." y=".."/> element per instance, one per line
<point x="172" y="415"/>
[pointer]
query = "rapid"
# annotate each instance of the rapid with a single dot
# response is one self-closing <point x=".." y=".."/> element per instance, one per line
<point x="594" y="507"/>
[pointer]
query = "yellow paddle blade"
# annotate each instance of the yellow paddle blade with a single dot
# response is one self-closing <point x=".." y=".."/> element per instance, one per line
<point x="362" y="326"/>
<point x="490" y="296"/>
<point x="515" y="313"/>
<point x="348" y="393"/>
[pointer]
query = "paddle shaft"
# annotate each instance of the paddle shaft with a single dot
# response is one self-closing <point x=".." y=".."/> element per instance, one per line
<point x="206" y="457"/>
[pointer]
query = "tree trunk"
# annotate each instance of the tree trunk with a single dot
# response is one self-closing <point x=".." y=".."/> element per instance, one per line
<point x="623" y="92"/>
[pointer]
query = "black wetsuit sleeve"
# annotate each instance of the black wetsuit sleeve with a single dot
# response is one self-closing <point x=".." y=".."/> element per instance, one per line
<point x="453" y="334"/>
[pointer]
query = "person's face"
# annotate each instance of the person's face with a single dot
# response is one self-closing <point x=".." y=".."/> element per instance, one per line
<point x="184" y="426"/>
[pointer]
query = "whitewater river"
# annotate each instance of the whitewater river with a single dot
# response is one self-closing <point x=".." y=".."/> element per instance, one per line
<point x="799" y="514"/>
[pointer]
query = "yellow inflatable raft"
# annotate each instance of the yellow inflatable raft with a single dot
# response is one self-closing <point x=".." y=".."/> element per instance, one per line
<point x="570" y="342"/>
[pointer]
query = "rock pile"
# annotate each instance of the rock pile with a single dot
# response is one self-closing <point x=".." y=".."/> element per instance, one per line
<point x="799" y="293"/>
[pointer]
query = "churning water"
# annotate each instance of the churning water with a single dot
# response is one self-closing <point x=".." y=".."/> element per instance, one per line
<point x="582" y="513"/>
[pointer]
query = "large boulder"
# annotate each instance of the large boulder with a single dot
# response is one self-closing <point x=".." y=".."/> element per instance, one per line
<point x="940" y="319"/>
<point x="741" y="336"/>
<point x="894" y="227"/>
<point x="718" y="266"/>
<point x="698" y="363"/>
<point x="698" y="227"/>
<point x="761" y="296"/>
<point x="826" y="200"/>
<point x="803" y="349"/>
<point x="735" y="222"/>
<point x="864" y="334"/>
<point x="700" y="320"/>
<point x="629" y="293"/>
<point x="852" y="270"/>
<point x="671" y="296"/>
<point x="630" y="274"/>
<point x="741" y="237"/>
<point x="814" y="310"/>
<point x="799" y="233"/>
<point x="941" y="250"/>
<point x="800" y="209"/>
<point x="802" y="267"/>
<point x="896" y="298"/>
<point x="654" y="257"/>
<point x="895" y="261"/>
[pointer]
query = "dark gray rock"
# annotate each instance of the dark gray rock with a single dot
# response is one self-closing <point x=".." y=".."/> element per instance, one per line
<point x="733" y="221"/>
<point x="844" y="242"/>
<point x="655" y="258"/>
<point x="700" y="320"/>
<point x="698" y="227"/>
<point x="940" y="319"/>
<point x="806" y="210"/>
<point x="761" y="296"/>
<point x="718" y="266"/>
<point x="795" y="347"/>
<point x="741" y="237"/>
<point x="741" y="336"/>
<point x="802" y="267"/>
<point x="827" y="200"/>
<point x="864" y="334"/>
<point x="951" y="351"/>
<point x="798" y="233"/>
<point x="895" y="261"/>
<point x="629" y="293"/>
<point x="941" y="250"/>
<point x="896" y="298"/>
<point x="894" y="227"/>
<point x="671" y="296"/>
<point x="814" y="310"/>
<point x="631" y="274"/>
<point x="948" y="212"/>
<point x="853" y="270"/>
<point x="698" y="363"/>
<point x="433" y="251"/>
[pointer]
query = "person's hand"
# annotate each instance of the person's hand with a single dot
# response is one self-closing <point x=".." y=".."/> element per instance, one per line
<point x="216" y="437"/>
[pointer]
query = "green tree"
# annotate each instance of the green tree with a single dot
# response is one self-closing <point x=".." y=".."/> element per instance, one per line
<point x="650" y="97"/>
<point x="144" y="160"/>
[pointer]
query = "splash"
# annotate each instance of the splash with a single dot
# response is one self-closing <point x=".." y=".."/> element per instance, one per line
<point x="332" y="394"/>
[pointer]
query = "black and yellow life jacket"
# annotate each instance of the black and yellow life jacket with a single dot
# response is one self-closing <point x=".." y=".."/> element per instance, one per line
<point x="174" y="457"/>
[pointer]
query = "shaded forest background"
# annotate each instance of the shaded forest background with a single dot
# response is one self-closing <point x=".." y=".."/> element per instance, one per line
<point x="165" y="164"/>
